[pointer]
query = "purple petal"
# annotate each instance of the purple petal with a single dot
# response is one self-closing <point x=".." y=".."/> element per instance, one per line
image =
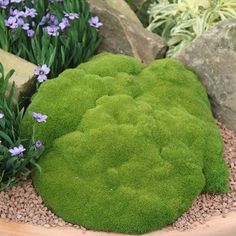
<point x="42" y="78"/>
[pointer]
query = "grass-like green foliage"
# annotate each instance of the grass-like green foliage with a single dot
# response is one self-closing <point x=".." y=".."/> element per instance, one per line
<point x="141" y="9"/>
<point x="181" y="21"/>
<point x="65" y="49"/>
<point x="13" y="167"/>
<point x="129" y="146"/>
<point x="135" y="4"/>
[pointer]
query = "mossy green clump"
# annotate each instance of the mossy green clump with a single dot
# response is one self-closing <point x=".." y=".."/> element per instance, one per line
<point x="129" y="146"/>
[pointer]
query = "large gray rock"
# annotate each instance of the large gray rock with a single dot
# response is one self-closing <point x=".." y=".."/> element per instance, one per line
<point x="122" y="32"/>
<point x="213" y="57"/>
<point x="23" y="76"/>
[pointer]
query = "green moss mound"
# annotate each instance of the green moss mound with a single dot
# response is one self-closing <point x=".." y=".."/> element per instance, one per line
<point x="129" y="146"/>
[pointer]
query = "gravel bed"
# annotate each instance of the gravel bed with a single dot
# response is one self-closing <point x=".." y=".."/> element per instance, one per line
<point x="22" y="204"/>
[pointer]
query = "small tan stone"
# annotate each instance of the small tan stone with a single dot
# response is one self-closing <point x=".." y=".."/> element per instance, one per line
<point x="23" y="76"/>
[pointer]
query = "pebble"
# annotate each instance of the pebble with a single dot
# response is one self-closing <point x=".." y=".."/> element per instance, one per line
<point x="22" y="204"/>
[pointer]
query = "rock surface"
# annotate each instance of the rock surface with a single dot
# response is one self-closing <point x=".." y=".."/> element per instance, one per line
<point x="23" y="75"/>
<point x="213" y="57"/>
<point x="123" y="33"/>
<point x="122" y="7"/>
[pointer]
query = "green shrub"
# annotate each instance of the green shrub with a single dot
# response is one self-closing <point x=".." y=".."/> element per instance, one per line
<point x="129" y="146"/>
<point x="142" y="12"/>
<point x="140" y="7"/>
<point x="179" y="22"/>
<point x="135" y="4"/>
<point x="15" y="160"/>
<point x="55" y="33"/>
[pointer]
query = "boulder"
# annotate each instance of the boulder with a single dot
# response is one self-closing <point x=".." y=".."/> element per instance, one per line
<point x="123" y="33"/>
<point x="122" y="7"/>
<point x="23" y="76"/>
<point x="213" y="57"/>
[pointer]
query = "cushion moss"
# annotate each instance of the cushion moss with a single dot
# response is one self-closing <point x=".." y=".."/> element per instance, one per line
<point x="129" y="146"/>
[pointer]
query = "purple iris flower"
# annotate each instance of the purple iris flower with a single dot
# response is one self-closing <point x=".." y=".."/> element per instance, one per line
<point x="49" y="19"/>
<point x="40" y="118"/>
<point x="17" y="151"/>
<point x="20" y="21"/>
<point x="11" y="22"/>
<point x="25" y="26"/>
<point x="38" y="144"/>
<point x="1" y="115"/>
<point x="43" y="21"/>
<point x="16" y="12"/>
<point x="41" y="72"/>
<point x="30" y="12"/>
<point x="30" y="33"/>
<point x="71" y="15"/>
<point x="64" y="23"/>
<point x="4" y="3"/>
<point x="52" y="30"/>
<point x="94" y="22"/>
<point x="53" y="20"/>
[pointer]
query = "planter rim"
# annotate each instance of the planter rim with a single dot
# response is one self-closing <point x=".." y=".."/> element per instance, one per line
<point x="215" y="226"/>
